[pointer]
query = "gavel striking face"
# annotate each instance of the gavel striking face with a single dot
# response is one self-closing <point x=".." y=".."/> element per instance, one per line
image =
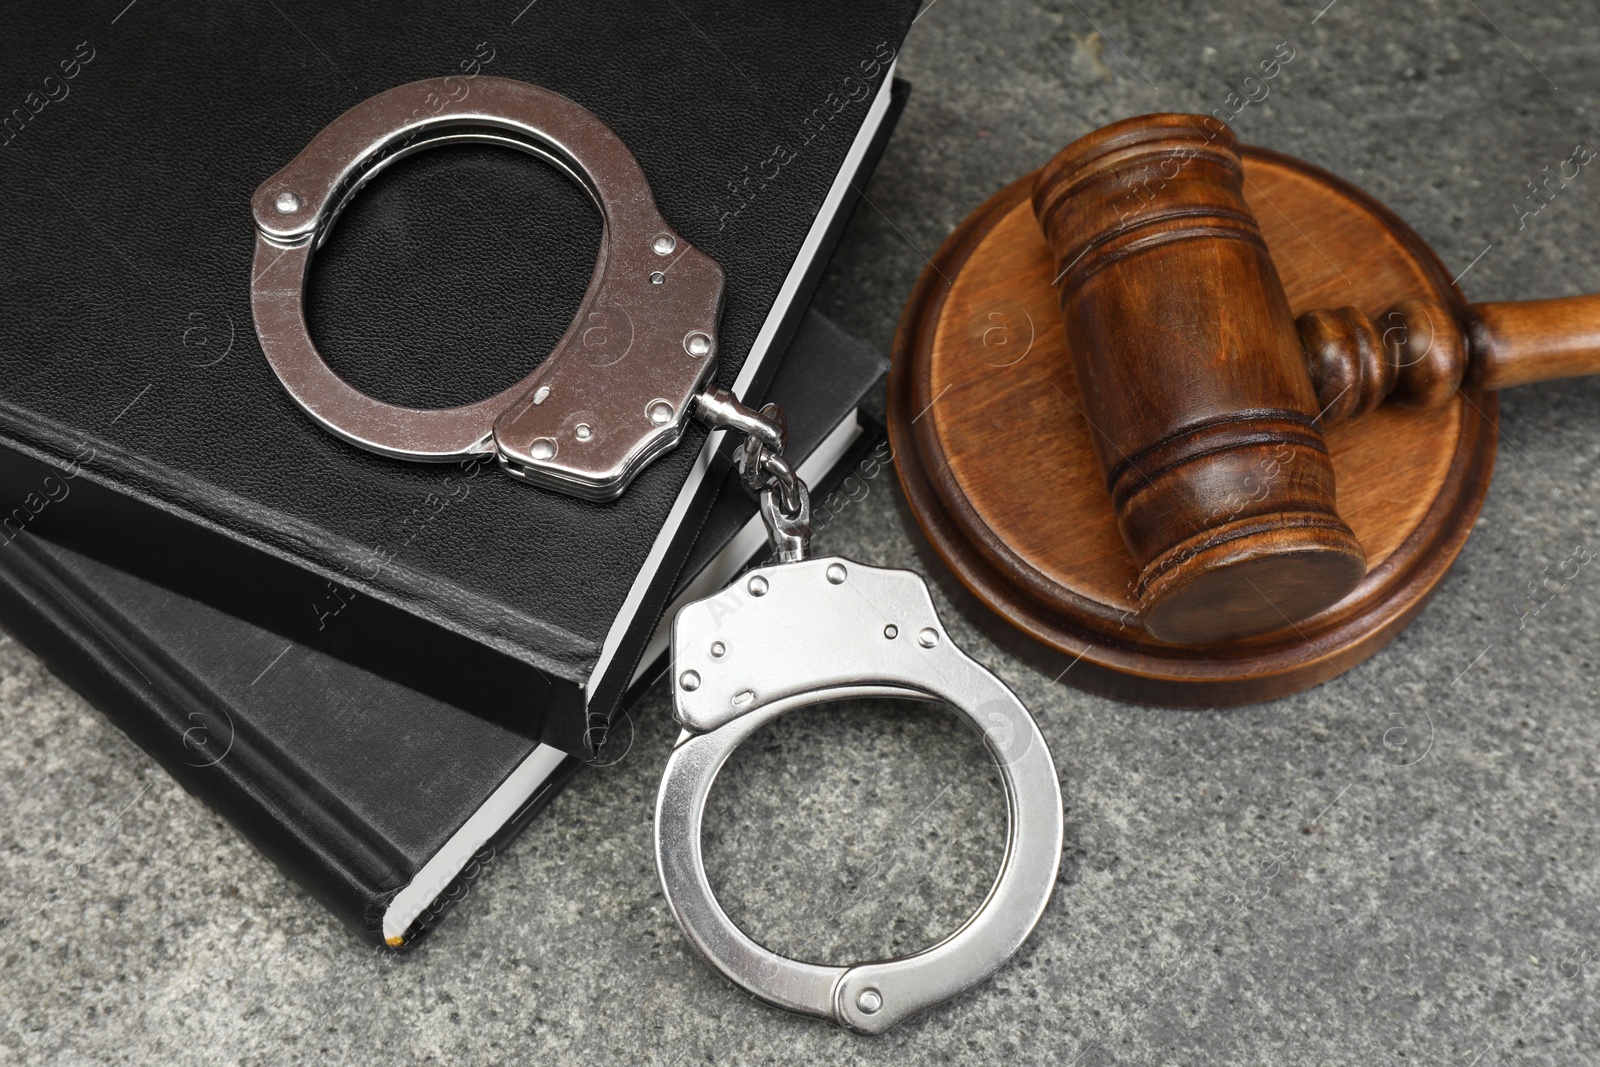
<point x="1206" y="398"/>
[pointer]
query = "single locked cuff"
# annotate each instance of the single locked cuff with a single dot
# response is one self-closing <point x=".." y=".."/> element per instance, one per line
<point x="797" y="634"/>
<point x="618" y="388"/>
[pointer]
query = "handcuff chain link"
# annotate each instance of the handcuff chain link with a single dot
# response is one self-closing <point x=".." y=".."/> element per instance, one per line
<point x="765" y="473"/>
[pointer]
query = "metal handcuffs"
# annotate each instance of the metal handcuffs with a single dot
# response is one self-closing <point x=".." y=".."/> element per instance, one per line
<point x="616" y="392"/>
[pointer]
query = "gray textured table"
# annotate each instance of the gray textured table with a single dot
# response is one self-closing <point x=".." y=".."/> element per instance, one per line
<point x="1288" y="883"/>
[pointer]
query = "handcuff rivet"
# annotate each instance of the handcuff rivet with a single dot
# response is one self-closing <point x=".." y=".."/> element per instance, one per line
<point x="798" y="641"/>
<point x="800" y="645"/>
<point x="610" y="355"/>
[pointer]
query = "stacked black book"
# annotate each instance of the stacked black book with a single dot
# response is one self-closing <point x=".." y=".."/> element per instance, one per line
<point x="373" y="667"/>
<point x="379" y="798"/>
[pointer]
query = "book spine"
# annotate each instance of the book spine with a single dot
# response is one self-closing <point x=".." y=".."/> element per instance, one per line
<point x="608" y="692"/>
<point x="192" y="734"/>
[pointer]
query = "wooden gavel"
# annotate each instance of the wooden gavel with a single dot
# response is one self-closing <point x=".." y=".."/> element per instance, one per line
<point x="1197" y="380"/>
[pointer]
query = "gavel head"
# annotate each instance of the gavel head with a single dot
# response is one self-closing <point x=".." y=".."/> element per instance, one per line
<point x="1193" y="382"/>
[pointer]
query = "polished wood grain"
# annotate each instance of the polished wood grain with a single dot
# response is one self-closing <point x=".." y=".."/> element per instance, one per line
<point x="1418" y="360"/>
<point x="1000" y="469"/>
<point x="1193" y="381"/>
<point x="1533" y="340"/>
<point x="1424" y="350"/>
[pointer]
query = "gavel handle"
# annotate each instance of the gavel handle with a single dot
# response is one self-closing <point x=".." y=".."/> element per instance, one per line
<point x="1419" y="353"/>
<point x="1517" y="342"/>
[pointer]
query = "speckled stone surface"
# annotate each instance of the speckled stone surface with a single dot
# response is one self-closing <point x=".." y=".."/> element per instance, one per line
<point x="1402" y="866"/>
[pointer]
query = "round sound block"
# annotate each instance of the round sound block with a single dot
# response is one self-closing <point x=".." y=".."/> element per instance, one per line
<point x="997" y="464"/>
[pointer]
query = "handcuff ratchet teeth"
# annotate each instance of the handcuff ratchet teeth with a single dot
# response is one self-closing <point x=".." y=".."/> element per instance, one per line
<point x="615" y="393"/>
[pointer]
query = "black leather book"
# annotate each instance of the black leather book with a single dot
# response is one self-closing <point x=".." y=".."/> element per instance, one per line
<point x="131" y="139"/>
<point x="384" y="802"/>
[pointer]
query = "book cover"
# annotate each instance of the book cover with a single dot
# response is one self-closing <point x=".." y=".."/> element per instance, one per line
<point x="383" y="801"/>
<point x="128" y="356"/>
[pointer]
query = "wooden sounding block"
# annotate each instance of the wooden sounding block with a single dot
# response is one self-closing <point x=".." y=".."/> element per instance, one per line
<point x="1137" y="407"/>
